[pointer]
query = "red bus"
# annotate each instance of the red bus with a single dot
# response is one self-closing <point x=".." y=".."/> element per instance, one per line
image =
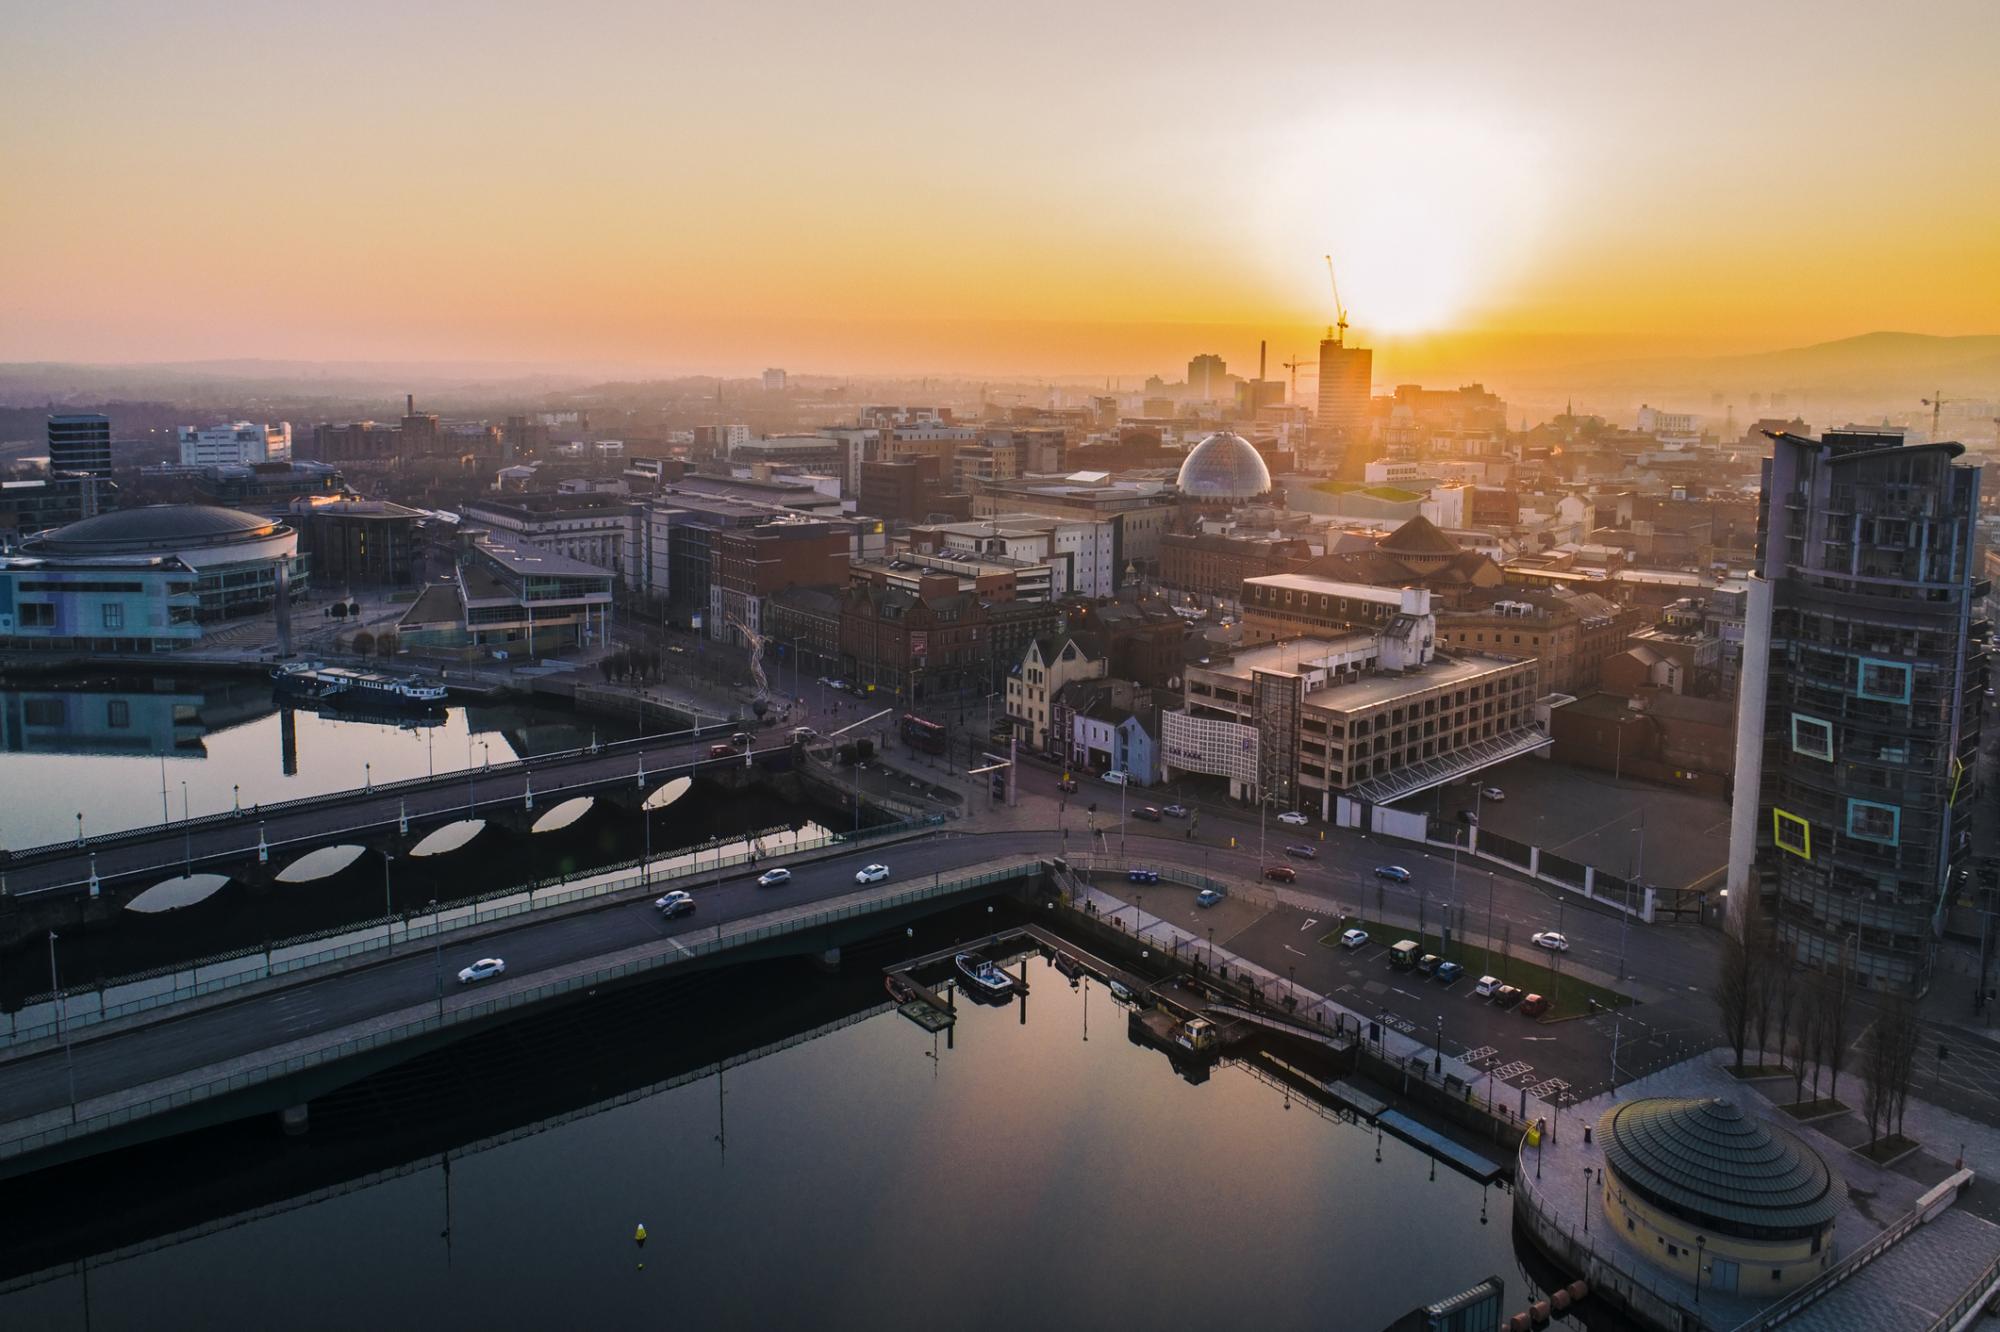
<point x="918" y="733"/>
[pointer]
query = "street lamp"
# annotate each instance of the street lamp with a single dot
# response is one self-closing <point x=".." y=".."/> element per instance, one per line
<point x="1586" y="1199"/>
<point x="62" y="1023"/>
<point x="1437" y="1062"/>
<point x="1700" y="1255"/>
<point x="437" y="937"/>
<point x="388" y="905"/>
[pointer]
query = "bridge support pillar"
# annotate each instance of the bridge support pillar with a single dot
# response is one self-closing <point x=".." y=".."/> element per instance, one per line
<point x="829" y="960"/>
<point x="263" y="845"/>
<point x="294" y="1120"/>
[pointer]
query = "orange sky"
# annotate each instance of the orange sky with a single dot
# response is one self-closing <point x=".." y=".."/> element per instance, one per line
<point x="1039" y="189"/>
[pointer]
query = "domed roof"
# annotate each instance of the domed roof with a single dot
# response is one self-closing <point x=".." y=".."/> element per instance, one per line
<point x="1223" y="466"/>
<point x="1705" y="1161"/>
<point x="156" y="526"/>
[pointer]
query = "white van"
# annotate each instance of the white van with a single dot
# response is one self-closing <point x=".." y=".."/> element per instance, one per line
<point x="1115" y="778"/>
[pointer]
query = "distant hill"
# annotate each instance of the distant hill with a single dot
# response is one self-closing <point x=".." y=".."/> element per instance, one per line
<point x="1887" y="368"/>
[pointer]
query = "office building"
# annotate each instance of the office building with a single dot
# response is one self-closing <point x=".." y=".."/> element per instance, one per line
<point x="1346" y="379"/>
<point x="1858" y="714"/>
<point x="80" y="444"/>
<point x="241" y="444"/>
<point x="1207" y="376"/>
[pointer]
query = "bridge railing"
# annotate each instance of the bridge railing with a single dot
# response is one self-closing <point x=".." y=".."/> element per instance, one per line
<point x="683" y="949"/>
<point x="54" y="1015"/>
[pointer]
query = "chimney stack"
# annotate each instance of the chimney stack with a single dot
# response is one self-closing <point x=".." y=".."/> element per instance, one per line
<point x="1261" y="344"/>
<point x="409" y="404"/>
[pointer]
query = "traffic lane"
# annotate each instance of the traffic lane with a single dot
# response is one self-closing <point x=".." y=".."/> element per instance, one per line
<point x="121" y="1060"/>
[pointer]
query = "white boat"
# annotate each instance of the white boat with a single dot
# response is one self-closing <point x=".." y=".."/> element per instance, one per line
<point x="344" y="685"/>
<point x="984" y="975"/>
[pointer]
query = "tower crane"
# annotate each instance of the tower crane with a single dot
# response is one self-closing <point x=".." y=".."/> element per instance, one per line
<point x="1936" y="403"/>
<point x="1293" y="366"/>
<point x="1339" y="332"/>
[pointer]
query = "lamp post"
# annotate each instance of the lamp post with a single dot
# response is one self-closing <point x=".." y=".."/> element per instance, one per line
<point x="1586" y="1199"/>
<point x="388" y="905"/>
<point x="437" y="951"/>
<point x="184" y="803"/>
<point x="62" y="1023"/>
<point x="367" y="777"/>
<point x="1437" y="1060"/>
<point x="1122" y="788"/>
<point x="1700" y="1256"/>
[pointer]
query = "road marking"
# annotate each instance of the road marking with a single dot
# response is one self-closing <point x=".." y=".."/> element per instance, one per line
<point x="1538" y="1038"/>
<point x="1310" y="922"/>
<point x="1290" y="949"/>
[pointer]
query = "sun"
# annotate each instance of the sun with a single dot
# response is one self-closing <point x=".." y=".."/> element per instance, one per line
<point x="1428" y="213"/>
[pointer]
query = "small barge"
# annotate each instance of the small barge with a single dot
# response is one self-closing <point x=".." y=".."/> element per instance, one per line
<point x="343" y="686"/>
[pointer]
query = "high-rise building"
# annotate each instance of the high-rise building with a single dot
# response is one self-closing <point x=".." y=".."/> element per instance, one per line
<point x="1858" y="712"/>
<point x="239" y="444"/>
<point x="80" y="444"/>
<point x="1207" y="376"/>
<point x="1346" y="379"/>
<point x="775" y="380"/>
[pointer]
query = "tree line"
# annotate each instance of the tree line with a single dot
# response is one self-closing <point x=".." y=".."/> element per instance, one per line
<point x="1772" y="1004"/>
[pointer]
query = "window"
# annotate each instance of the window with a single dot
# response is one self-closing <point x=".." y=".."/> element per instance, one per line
<point x="1872" y="822"/>
<point x="37" y="615"/>
<point x="114" y="615"/>
<point x="1812" y="737"/>
<point x="1791" y="833"/>
<point x="117" y="713"/>
<point x="1883" y="681"/>
<point x="1775" y="1274"/>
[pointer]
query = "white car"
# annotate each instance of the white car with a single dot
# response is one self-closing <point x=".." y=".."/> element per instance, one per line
<point x="1488" y="985"/>
<point x="871" y="874"/>
<point x="675" y="903"/>
<point x="773" y="877"/>
<point x="1353" y="938"/>
<point x="1552" y="941"/>
<point x="486" y="968"/>
<point x="1293" y="817"/>
<point x="1492" y="793"/>
<point x="1115" y="778"/>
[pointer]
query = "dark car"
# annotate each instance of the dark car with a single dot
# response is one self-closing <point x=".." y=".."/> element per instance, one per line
<point x="1143" y="875"/>
<point x="1506" y="996"/>
<point x="1301" y="851"/>
<point x="1066" y="784"/>
<point x="1280" y="873"/>
<point x="1447" y="972"/>
<point x="1150" y="813"/>
<point x="1429" y="963"/>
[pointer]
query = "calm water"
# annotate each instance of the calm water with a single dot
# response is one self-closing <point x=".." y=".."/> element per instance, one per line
<point x="129" y="753"/>
<point x="1027" y="1178"/>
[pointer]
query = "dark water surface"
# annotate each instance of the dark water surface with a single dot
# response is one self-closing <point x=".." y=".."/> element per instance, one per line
<point x="1025" y="1177"/>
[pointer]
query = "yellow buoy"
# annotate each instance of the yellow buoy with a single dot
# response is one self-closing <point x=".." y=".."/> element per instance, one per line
<point x="639" y="1235"/>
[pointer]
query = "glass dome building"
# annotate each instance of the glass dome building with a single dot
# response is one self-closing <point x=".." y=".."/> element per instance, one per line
<point x="1223" y="467"/>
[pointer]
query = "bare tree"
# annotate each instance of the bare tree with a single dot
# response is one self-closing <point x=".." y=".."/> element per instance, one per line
<point x="1899" y="1017"/>
<point x="1805" y="1045"/>
<point x="1823" y="997"/>
<point x="1834" y="1026"/>
<point x="1737" y="981"/>
<point x="1784" y="982"/>
<point x="1878" y="1066"/>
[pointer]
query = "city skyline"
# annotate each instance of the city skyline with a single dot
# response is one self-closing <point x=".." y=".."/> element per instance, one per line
<point x="903" y="190"/>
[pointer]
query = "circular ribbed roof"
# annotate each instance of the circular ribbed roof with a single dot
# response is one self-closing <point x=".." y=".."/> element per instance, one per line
<point x="1223" y="466"/>
<point x="151" y="527"/>
<point x="1419" y="536"/>
<point x="1707" y="1162"/>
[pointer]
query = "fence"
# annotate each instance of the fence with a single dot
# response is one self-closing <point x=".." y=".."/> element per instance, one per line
<point x="683" y="949"/>
<point x="380" y="934"/>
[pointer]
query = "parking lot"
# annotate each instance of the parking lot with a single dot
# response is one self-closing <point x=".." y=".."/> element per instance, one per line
<point x="1594" y="820"/>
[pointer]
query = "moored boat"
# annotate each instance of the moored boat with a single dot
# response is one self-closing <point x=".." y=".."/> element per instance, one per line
<point x="344" y="686"/>
<point x="983" y="975"/>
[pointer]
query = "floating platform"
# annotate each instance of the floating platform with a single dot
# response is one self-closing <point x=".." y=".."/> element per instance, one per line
<point x="931" y="1019"/>
<point x="1463" y="1159"/>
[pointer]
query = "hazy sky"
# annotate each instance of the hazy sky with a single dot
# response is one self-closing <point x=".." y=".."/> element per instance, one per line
<point x="1028" y="187"/>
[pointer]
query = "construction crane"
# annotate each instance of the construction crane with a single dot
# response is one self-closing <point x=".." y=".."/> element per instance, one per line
<point x="1936" y="403"/>
<point x="1339" y="311"/>
<point x="1293" y="366"/>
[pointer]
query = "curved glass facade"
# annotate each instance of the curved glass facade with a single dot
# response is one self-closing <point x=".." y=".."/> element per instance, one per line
<point x="1223" y="466"/>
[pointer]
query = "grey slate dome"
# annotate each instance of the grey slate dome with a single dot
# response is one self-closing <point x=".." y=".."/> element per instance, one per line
<point x="1223" y="466"/>
<point x="154" y="527"/>
<point x="1702" y="1159"/>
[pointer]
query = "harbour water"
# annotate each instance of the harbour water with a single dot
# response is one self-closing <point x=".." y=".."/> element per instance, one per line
<point x="1036" y="1171"/>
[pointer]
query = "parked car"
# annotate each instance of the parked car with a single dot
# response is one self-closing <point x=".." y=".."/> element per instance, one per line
<point x="1066" y="784"/>
<point x="1534" y="1006"/>
<point x="1143" y="875"/>
<point x="675" y="903"/>
<point x="1176" y="811"/>
<point x="1293" y="817"/>
<point x="1280" y="873"/>
<point x="771" y="878"/>
<point x="1550" y="940"/>
<point x="1353" y="938"/>
<point x="1467" y="816"/>
<point x="1492" y="793"/>
<point x="871" y="874"/>
<point x="1150" y="813"/>
<point x="1207" y="897"/>
<point x="1403" y="954"/>
<point x="1115" y="777"/>
<point x="1393" y="872"/>
<point x="1447" y="972"/>
<point x="1507" y="996"/>
<point x="486" y="968"/>
<point x="1487" y="986"/>
<point x="1428" y="963"/>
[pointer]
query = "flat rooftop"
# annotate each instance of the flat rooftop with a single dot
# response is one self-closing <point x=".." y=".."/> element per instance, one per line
<point x="1331" y="587"/>
<point x="525" y="557"/>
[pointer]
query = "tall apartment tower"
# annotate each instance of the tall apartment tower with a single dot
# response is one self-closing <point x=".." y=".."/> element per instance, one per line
<point x="81" y="445"/>
<point x="1858" y="709"/>
<point x="1346" y="378"/>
